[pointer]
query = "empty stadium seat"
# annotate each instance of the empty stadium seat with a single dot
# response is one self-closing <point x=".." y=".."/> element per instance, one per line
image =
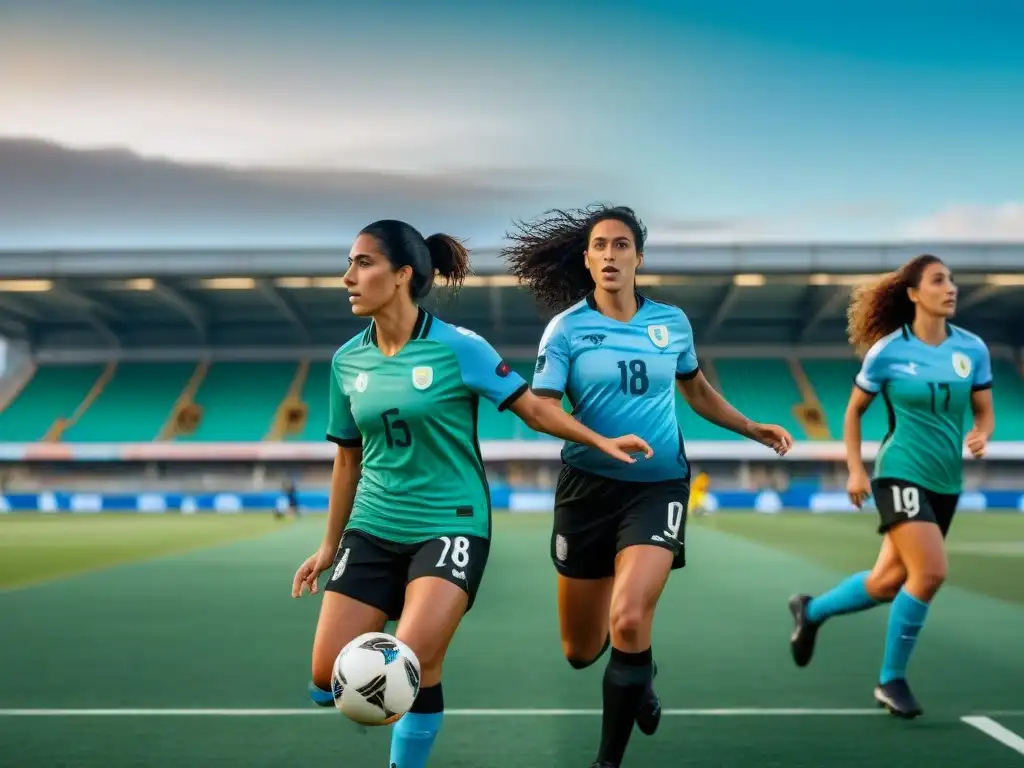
<point x="134" y="405"/>
<point x="239" y="400"/>
<point x="54" y="392"/>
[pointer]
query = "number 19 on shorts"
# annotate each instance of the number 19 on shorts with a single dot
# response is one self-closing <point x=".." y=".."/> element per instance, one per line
<point x="675" y="519"/>
<point x="906" y="500"/>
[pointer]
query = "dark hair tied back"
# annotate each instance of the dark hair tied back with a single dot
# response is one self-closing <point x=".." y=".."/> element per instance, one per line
<point x="404" y="246"/>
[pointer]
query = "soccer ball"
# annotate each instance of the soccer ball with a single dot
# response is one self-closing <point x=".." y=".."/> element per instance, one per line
<point x="375" y="680"/>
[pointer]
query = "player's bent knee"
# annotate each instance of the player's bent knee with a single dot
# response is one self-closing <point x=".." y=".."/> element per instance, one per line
<point x="577" y="656"/>
<point x="629" y="621"/>
<point x="885" y="586"/>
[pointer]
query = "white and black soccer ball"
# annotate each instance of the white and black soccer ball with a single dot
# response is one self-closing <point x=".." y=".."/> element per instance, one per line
<point x="376" y="678"/>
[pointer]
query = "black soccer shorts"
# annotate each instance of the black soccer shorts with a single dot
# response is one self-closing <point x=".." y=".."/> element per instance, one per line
<point x="376" y="572"/>
<point x="900" y="501"/>
<point x="597" y="517"/>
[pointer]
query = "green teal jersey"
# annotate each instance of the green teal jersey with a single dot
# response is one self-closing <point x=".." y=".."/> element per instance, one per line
<point x="415" y="416"/>
<point x="927" y="393"/>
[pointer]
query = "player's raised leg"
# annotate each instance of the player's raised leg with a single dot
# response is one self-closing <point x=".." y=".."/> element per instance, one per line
<point x="342" y="619"/>
<point x="641" y="573"/>
<point x="857" y="592"/>
<point x="433" y="609"/>
<point x="921" y="549"/>
<point x="583" y="617"/>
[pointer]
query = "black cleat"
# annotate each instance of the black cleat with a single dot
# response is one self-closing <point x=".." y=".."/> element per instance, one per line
<point x="603" y="764"/>
<point x="896" y="697"/>
<point x="801" y="641"/>
<point x="649" y="716"/>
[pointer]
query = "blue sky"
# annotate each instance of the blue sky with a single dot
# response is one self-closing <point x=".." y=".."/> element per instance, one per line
<point x="731" y="121"/>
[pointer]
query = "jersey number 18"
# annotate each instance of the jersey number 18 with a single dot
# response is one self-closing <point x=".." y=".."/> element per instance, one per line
<point x="633" y="377"/>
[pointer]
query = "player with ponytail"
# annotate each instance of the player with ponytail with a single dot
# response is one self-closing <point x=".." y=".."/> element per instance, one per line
<point x="409" y="519"/>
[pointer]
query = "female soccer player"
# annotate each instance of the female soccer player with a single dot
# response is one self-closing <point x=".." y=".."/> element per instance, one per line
<point x="928" y="371"/>
<point x="409" y="520"/>
<point x="618" y="530"/>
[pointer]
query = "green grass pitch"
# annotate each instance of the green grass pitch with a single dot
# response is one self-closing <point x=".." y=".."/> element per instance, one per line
<point x="169" y="640"/>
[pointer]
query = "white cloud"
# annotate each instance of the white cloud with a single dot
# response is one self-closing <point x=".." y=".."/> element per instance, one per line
<point x="1003" y="222"/>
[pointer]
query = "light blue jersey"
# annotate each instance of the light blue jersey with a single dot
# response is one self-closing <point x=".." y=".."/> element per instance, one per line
<point x="620" y="379"/>
<point x="927" y="393"/>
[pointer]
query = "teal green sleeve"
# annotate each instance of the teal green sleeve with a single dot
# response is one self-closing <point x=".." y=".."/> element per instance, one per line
<point x="341" y="427"/>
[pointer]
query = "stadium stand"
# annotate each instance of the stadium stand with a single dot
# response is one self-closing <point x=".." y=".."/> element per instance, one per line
<point x="241" y="401"/>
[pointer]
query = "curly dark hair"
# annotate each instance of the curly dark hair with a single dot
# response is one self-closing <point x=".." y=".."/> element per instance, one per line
<point x="879" y="308"/>
<point x="547" y="253"/>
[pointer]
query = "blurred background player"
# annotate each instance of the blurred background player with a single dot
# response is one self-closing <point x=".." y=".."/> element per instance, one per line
<point x="618" y="529"/>
<point x="929" y="373"/>
<point x="699" y="493"/>
<point x="412" y="542"/>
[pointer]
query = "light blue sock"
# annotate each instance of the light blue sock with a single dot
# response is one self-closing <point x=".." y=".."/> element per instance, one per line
<point x="848" y="596"/>
<point x="320" y="697"/>
<point x="412" y="738"/>
<point x="906" y="617"/>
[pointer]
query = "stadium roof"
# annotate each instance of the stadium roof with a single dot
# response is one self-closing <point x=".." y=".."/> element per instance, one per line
<point x="174" y="312"/>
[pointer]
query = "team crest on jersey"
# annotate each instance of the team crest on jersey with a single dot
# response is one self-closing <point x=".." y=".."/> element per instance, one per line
<point x="361" y="381"/>
<point x="961" y="364"/>
<point x="422" y="376"/>
<point x="659" y="335"/>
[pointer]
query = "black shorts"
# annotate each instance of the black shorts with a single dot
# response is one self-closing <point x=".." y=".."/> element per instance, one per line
<point x="376" y="572"/>
<point x="597" y="517"/>
<point x="899" y="501"/>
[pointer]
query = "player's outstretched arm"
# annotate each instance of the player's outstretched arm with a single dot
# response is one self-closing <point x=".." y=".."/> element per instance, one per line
<point x="710" y="405"/>
<point x="344" y="479"/>
<point x="858" y="487"/>
<point x="544" y="414"/>
<point x="984" y="422"/>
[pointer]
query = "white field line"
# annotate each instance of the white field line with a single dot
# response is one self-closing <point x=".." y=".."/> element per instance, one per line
<point x="308" y="711"/>
<point x="991" y="728"/>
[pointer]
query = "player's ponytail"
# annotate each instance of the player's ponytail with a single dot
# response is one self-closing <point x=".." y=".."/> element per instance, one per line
<point x="547" y="254"/>
<point x="404" y="246"/>
<point x="449" y="258"/>
<point x="879" y="308"/>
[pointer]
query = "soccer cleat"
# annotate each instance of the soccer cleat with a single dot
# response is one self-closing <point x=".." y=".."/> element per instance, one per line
<point x="896" y="697"/>
<point x="602" y="764"/>
<point x="649" y="715"/>
<point x="801" y="641"/>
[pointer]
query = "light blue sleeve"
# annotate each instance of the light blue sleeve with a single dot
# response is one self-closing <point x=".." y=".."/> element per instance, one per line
<point x="551" y="373"/>
<point x="483" y="370"/>
<point x="982" y="368"/>
<point x="687" y="364"/>
<point x="872" y="373"/>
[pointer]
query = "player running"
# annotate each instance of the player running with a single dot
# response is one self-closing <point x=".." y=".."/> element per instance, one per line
<point x="618" y="530"/>
<point x="928" y="372"/>
<point x="409" y="521"/>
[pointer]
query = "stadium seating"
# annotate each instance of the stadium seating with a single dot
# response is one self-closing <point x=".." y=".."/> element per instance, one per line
<point x="134" y="405"/>
<point x="239" y="401"/>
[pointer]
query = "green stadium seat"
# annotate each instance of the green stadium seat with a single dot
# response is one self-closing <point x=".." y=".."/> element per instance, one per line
<point x="134" y="405"/>
<point x="833" y="382"/>
<point x="54" y="392"/>
<point x="240" y="399"/>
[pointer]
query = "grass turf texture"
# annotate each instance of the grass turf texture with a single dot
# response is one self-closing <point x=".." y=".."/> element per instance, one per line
<point x="215" y="627"/>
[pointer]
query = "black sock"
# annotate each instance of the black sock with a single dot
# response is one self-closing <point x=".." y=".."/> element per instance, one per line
<point x="429" y="700"/>
<point x="625" y="683"/>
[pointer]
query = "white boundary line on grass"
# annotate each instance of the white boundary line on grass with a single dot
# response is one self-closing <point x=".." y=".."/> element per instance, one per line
<point x="306" y="711"/>
<point x="991" y="728"/>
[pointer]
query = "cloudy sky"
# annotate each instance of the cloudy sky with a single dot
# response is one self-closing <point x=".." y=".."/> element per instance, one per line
<point x="245" y="123"/>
